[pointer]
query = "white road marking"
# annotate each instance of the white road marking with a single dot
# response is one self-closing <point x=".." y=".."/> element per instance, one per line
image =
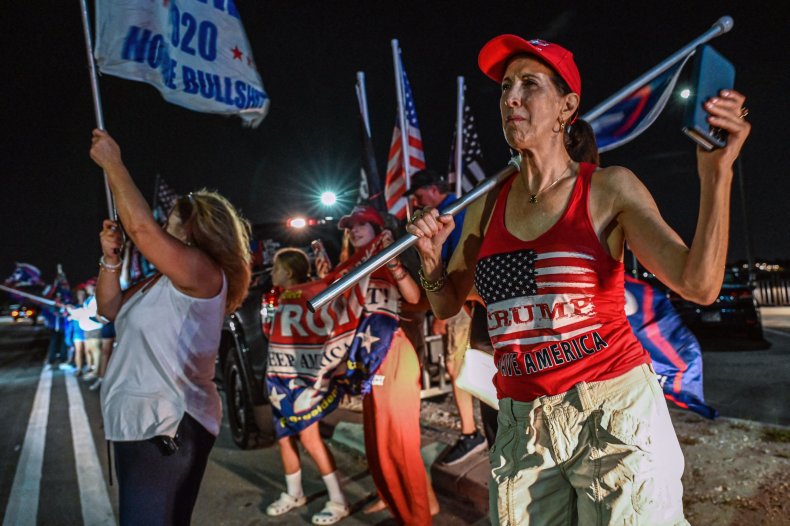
<point x="775" y="332"/>
<point x="22" y="509"/>
<point x="94" y="499"/>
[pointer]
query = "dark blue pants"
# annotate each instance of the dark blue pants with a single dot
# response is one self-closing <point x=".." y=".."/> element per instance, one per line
<point x="57" y="348"/>
<point x="156" y="489"/>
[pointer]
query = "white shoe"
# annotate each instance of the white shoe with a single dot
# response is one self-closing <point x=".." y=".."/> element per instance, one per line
<point x="285" y="504"/>
<point x="333" y="512"/>
<point x="95" y="385"/>
<point x="90" y="375"/>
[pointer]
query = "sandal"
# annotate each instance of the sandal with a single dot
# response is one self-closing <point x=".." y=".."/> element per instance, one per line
<point x="333" y="512"/>
<point x="285" y="504"/>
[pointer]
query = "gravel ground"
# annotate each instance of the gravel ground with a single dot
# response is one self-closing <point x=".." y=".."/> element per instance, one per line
<point x="737" y="471"/>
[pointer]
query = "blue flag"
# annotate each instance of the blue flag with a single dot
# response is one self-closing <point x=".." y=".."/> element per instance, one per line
<point x="633" y="114"/>
<point x="676" y="354"/>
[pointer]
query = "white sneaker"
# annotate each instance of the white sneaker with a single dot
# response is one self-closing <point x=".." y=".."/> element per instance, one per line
<point x="90" y="375"/>
<point x="333" y="512"/>
<point x="285" y="504"/>
<point x="95" y="385"/>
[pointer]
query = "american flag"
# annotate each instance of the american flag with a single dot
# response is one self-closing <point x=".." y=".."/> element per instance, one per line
<point x="395" y="184"/>
<point x="471" y="155"/>
<point x="537" y="297"/>
<point x="164" y="199"/>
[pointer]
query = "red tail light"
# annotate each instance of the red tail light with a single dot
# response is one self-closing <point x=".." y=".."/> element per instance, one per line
<point x="28" y="313"/>
<point x="14" y="313"/>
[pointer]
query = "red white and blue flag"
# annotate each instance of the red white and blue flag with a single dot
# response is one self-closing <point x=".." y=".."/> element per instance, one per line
<point x="634" y="113"/>
<point x="676" y="354"/>
<point x="399" y="170"/>
<point x="307" y="354"/>
<point x="315" y="358"/>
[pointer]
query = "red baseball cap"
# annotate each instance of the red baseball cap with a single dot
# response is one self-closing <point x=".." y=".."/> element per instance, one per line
<point x="496" y="52"/>
<point x="361" y="214"/>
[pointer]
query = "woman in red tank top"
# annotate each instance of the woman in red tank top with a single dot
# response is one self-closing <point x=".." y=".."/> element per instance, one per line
<point x="584" y="432"/>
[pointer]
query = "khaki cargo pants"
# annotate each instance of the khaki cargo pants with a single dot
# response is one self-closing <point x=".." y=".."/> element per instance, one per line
<point x="603" y="453"/>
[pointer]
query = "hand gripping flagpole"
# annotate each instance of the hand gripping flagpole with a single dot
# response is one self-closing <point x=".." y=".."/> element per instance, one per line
<point x="721" y="26"/>
<point x="96" y="99"/>
<point x="378" y="260"/>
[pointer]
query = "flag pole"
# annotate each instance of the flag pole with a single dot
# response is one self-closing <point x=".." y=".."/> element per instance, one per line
<point x="378" y="260"/>
<point x="27" y="295"/>
<point x="402" y="117"/>
<point x="459" y="137"/>
<point x="363" y="100"/>
<point x="721" y="26"/>
<point x="97" y="108"/>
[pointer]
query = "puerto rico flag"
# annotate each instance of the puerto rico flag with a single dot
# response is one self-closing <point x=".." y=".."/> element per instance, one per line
<point x="633" y="114"/>
<point x="676" y="354"/>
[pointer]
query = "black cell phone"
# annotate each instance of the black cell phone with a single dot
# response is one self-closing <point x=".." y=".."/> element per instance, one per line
<point x="711" y="74"/>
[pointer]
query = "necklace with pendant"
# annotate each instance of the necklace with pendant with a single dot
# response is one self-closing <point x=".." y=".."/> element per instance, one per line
<point x="533" y="198"/>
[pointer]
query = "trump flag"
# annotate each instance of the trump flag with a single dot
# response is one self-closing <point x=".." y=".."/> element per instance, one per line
<point x="195" y="53"/>
<point x="676" y="354"/>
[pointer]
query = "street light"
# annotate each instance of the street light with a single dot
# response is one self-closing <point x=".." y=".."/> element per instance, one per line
<point x="328" y="198"/>
<point x="685" y="93"/>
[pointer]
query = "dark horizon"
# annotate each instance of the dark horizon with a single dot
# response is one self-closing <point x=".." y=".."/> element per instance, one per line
<point x="307" y="54"/>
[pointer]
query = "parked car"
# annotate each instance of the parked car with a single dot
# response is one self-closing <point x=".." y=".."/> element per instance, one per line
<point x="24" y="312"/>
<point x="734" y="313"/>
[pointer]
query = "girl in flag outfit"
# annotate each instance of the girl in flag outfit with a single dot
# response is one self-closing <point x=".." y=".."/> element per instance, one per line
<point x="293" y="340"/>
<point x="584" y="432"/>
<point x="160" y="405"/>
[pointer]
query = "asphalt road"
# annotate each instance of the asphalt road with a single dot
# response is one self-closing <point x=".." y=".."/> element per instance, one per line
<point x="53" y="461"/>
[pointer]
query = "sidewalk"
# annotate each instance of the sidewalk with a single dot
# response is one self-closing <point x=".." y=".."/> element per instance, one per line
<point x="465" y="483"/>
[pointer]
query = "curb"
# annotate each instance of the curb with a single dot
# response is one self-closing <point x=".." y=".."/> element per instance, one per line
<point x="466" y="482"/>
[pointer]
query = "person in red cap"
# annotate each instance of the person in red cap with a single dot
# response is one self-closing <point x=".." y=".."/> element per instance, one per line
<point x="391" y="409"/>
<point x="584" y="432"/>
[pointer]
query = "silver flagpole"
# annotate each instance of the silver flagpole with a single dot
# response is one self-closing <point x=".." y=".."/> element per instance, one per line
<point x="401" y="114"/>
<point x="459" y="138"/>
<point x="363" y="99"/>
<point x="33" y="297"/>
<point x="96" y="99"/>
<point x="721" y="26"/>
<point x="379" y="259"/>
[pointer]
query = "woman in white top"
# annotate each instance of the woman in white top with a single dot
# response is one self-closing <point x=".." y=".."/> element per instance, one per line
<point x="159" y="403"/>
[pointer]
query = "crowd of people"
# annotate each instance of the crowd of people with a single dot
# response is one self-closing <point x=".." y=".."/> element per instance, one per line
<point x="582" y="434"/>
<point x="81" y="341"/>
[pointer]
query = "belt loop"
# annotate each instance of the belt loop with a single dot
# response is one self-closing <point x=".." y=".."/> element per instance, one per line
<point x="584" y="396"/>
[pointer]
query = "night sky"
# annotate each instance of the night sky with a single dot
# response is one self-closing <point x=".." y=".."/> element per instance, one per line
<point x="308" y="52"/>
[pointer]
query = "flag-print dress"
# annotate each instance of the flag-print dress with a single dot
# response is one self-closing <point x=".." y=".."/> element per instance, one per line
<point x="555" y="304"/>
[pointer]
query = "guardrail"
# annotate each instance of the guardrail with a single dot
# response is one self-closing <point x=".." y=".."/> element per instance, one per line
<point x="773" y="290"/>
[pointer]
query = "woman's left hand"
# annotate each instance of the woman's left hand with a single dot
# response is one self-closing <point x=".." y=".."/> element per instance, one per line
<point x="386" y="238"/>
<point x="727" y="111"/>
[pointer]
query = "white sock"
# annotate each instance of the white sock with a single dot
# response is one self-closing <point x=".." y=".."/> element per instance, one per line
<point x="293" y="483"/>
<point x="333" y="488"/>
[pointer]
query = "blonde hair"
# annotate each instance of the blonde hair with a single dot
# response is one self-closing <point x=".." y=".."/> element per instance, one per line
<point x="215" y="226"/>
<point x="296" y="261"/>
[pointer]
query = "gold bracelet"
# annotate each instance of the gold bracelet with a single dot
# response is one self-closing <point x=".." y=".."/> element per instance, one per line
<point x="433" y="286"/>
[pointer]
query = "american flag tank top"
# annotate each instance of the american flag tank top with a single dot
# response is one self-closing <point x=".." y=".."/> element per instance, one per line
<point x="555" y="304"/>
